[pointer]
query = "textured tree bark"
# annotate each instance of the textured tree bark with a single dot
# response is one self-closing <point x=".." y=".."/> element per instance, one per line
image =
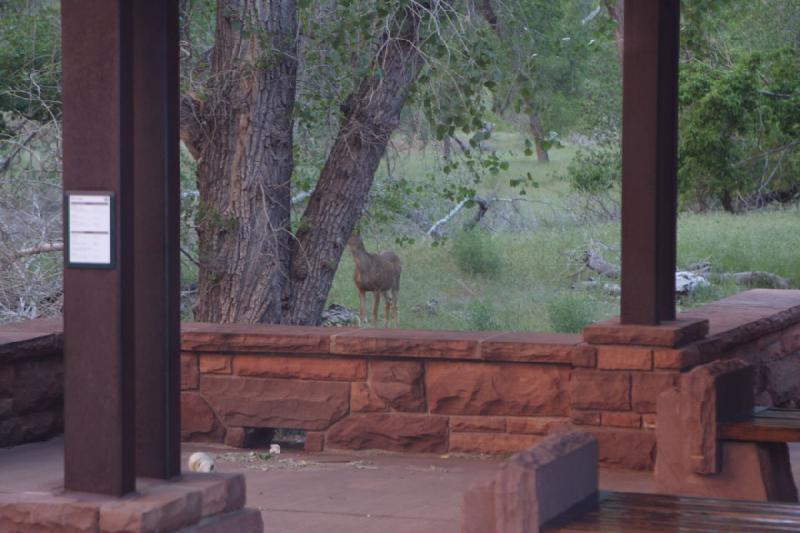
<point x="616" y="10"/>
<point x="538" y="136"/>
<point x="370" y="115"/>
<point x="242" y="138"/>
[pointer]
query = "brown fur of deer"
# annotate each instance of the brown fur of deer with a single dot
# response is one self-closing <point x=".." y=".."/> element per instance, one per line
<point x="379" y="274"/>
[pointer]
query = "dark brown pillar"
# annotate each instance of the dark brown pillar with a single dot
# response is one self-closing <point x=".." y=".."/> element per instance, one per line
<point x="98" y="302"/>
<point x="156" y="192"/>
<point x="649" y="161"/>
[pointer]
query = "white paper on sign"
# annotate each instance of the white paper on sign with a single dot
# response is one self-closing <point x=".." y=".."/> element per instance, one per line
<point x="90" y="229"/>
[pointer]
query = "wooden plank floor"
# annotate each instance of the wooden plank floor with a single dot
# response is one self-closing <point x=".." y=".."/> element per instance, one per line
<point x="766" y="425"/>
<point x="646" y="513"/>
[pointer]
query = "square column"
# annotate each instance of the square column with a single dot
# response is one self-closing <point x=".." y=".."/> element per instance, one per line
<point x="121" y="301"/>
<point x="649" y="161"/>
<point x="98" y="302"/>
<point x="156" y="219"/>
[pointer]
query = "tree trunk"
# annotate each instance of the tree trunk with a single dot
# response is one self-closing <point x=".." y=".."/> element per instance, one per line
<point x="538" y="136"/>
<point x="616" y="10"/>
<point x="242" y="136"/>
<point x="486" y="10"/>
<point x="370" y="115"/>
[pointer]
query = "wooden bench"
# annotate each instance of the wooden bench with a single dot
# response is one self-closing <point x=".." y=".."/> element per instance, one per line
<point x="646" y="513"/>
<point x="767" y="424"/>
<point x="553" y="487"/>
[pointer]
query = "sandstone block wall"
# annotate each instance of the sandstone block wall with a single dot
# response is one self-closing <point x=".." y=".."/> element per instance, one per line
<point x="31" y="381"/>
<point x="417" y="391"/>
<point x="432" y="391"/>
<point x="476" y="392"/>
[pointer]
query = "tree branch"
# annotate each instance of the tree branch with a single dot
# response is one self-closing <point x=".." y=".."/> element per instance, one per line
<point x="192" y="125"/>
<point x="39" y="249"/>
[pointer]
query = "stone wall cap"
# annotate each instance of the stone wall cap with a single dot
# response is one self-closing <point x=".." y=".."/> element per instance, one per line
<point x="669" y="334"/>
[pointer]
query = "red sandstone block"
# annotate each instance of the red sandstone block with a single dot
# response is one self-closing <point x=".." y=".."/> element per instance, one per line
<point x="19" y="429"/>
<point x="677" y="359"/>
<point x="477" y="424"/>
<point x="235" y="437"/>
<point x="584" y="355"/>
<point x="220" y="492"/>
<point x="163" y="507"/>
<point x="634" y="449"/>
<point x="6" y="379"/>
<point x="215" y="364"/>
<point x="597" y="389"/>
<point x="585" y="418"/>
<point x="491" y="443"/>
<point x="529" y="347"/>
<point x="647" y="386"/>
<point x="540" y="483"/>
<point x="363" y="400"/>
<point x="624" y="358"/>
<point x="35" y="512"/>
<point x="534" y="426"/>
<point x="315" y="441"/>
<point x="196" y="415"/>
<point x="670" y="334"/>
<point x="791" y="339"/>
<point x="408" y="342"/>
<point x="189" y="372"/>
<point x="276" y="403"/>
<point x="255" y="338"/>
<point x="771" y="347"/>
<point x="297" y="367"/>
<point x="497" y="389"/>
<point x="393" y="432"/>
<point x="649" y="421"/>
<point x="621" y="419"/>
<point x="399" y="383"/>
<point x="38" y="385"/>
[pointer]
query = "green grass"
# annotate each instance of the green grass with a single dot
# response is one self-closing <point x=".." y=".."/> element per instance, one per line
<point x="530" y="288"/>
<point x="529" y="285"/>
<point x="424" y="165"/>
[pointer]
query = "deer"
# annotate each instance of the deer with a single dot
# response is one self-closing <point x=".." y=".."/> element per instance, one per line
<point x="376" y="273"/>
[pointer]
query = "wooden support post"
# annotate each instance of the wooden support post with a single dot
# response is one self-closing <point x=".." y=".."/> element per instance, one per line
<point x="98" y="302"/>
<point x="649" y="161"/>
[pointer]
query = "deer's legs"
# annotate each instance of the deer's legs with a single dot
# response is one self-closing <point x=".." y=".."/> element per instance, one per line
<point x="387" y="309"/>
<point x="396" y="316"/>
<point x="362" y="307"/>
<point x="375" y="303"/>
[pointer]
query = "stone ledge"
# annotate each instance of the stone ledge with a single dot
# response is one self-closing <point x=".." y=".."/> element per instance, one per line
<point x="668" y="334"/>
<point x="287" y="341"/>
<point x="195" y="502"/>
<point x="31" y="339"/>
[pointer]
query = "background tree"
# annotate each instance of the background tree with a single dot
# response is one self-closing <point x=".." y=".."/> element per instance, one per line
<point x="253" y="265"/>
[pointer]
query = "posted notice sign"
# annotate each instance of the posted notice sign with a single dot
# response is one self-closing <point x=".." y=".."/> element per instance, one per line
<point x="89" y="232"/>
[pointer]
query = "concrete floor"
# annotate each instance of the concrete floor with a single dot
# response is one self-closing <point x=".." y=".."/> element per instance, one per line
<point x="330" y="492"/>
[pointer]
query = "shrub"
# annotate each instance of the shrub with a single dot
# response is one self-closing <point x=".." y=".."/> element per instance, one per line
<point x="477" y="253"/>
<point x="596" y="171"/>
<point x="570" y="312"/>
<point x="481" y="316"/>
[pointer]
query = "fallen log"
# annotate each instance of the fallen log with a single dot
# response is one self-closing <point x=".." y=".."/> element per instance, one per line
<point x="595" y="262"/>
<point x="758" y="279"/>
<point x="483" y="206"/>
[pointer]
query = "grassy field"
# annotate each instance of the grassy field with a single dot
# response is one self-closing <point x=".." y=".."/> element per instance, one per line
<point x="530" y="283"/>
